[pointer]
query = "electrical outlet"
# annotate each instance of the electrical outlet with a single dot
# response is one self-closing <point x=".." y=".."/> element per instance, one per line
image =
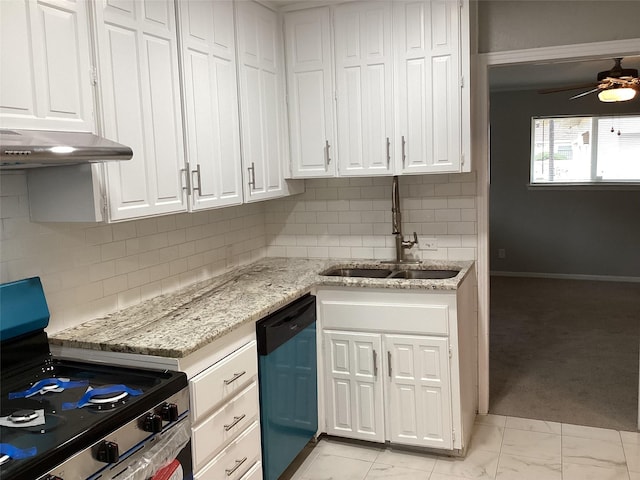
<point x="427" y="243"/>
<point x="502" y="253"/>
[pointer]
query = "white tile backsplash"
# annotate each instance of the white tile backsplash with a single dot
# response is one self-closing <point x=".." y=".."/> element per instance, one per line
<point x="89" y="270"/>
<point x="353" y="217"/>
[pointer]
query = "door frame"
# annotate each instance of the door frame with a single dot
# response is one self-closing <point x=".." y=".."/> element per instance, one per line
<point x="481" y="155"/>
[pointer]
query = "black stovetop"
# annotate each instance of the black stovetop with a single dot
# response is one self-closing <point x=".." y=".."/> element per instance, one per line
<point x="67" y="430"/>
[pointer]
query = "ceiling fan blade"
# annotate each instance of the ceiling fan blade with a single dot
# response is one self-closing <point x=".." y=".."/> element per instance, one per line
<point x="584" y="93"/>
<point x="566" y="88"/>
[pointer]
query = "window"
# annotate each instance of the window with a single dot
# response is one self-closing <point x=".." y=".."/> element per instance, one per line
<point x="578" y="150"/>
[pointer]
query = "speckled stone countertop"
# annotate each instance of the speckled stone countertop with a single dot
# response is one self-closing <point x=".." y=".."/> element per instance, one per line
<point x="177" y="324"/>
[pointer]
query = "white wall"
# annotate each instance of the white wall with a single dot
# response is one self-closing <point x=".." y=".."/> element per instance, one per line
<point x="351" y="218"/>
<point x="88" y="270"/>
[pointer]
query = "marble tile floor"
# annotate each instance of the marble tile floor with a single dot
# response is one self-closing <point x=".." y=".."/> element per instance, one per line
<point x="502" y="448"/>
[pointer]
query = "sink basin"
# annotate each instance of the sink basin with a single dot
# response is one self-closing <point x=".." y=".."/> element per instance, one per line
<point x="424" y="274"/>
<point x="359" y="272"/>
<point x="388" y="273"/>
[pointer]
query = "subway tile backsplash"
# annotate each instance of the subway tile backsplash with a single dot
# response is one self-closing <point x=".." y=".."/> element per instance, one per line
<point x="351" y="218"/>
<point x="89" y="270"/>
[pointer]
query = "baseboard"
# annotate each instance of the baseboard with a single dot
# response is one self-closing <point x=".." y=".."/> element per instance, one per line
<point x="567" y="276"/>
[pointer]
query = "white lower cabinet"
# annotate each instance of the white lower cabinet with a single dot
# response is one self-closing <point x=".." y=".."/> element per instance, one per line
<point x="354" y="392"/>
<point x="399" y="366"/>
<point x="415" y="371"/>
<point x="225" y="417"/>
<point x="419" y="400"/>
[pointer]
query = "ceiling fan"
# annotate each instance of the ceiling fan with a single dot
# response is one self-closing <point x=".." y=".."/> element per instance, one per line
<point x="615" y="85"/>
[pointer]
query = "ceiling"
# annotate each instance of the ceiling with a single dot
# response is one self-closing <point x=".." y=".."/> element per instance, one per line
<point x="545" y="75"/>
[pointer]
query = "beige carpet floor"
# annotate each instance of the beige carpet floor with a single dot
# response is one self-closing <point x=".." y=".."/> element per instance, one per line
<point x="565" y="351"/>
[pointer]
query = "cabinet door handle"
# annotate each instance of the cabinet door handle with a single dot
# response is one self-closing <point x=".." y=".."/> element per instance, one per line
<point x="187" y="178"/>
<point x="198" y="180"/>
<point x="375" y="364"/>
<point x="229" y="471"/>
<point x="389" y="362"/>
<point x="236" y="420"/>
<point x="388" y="153"/>
<point x="404" y="153"/>
<point x="327" y="158"/>
<point x="252" y="170"/>
<point x="234" y="378"/>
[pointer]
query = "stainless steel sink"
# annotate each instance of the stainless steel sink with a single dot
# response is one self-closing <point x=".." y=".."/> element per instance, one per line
<point x="359" y="272"/>
<point x="424" y="274"/>
<point x="413" y="274"/>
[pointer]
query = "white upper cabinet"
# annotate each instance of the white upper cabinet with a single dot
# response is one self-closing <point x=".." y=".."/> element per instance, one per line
<point x="262" y="105"/>
<point x="429" y="83"/>
<point x="310" y="92"/>
<point x="45" y="66"/>
<point x="140" y="92"/>
<point x="364" y="75"/>
<point x="211" y="103"/>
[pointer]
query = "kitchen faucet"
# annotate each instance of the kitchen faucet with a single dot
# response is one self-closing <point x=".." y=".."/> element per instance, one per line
<point x="396" y="222"/>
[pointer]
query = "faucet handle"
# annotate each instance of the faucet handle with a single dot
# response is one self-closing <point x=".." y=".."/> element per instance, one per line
<point x="410" y="243"/>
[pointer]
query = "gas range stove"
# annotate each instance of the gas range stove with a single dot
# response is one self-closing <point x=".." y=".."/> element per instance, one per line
<point x="63" y="419"/>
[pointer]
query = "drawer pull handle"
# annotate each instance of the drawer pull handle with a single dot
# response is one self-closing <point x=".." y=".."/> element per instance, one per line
<point x="234" y="378"/>
<point x="229" y="471"/>
<point x="236" y="420"/>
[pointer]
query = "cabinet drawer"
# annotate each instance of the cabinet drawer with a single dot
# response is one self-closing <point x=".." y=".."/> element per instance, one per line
<point x="384" y="316"/>
<point x="221" y="381"/>
<point x="232" y="418"/>
<point x="236" y="459"/>
<point x="255" y="473"/>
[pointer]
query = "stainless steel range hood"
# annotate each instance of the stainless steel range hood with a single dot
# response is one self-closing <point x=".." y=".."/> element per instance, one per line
<point x="42" y="148"/>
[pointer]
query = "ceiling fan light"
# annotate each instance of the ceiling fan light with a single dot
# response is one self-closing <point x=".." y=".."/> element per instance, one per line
<point x="617" y="94"/>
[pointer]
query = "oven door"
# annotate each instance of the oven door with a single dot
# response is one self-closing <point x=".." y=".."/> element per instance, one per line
<point x="167" y="456"/>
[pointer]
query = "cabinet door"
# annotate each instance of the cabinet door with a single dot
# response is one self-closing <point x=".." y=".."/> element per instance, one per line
<point x="364" y="66"/>
<point x="138" y="59"/>
<point x="262" y="106"/>
<point x="310" y="92"/>
<point x="354" y="398"/>
<point x="427" y="44"/>
<point x="45" y="65"/>
<point x="211" y="102"/>
<point x="419" y="400"/>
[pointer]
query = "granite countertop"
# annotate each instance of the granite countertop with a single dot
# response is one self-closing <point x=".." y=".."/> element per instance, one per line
<point x="177" y="324"/>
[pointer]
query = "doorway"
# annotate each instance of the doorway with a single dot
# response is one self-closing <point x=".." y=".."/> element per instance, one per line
<point x="481" y="142"/>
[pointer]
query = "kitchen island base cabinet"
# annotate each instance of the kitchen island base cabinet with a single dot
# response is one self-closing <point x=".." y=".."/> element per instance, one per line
<point x="399" y="366"/>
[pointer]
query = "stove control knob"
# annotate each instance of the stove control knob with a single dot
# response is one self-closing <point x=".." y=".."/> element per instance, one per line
<point x="169" y="412"/>
<point x="108" y="452"/>
<point x="152" y="423"/>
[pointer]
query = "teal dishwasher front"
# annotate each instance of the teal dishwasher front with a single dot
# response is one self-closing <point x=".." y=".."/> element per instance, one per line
<point x="288" y="383"/>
